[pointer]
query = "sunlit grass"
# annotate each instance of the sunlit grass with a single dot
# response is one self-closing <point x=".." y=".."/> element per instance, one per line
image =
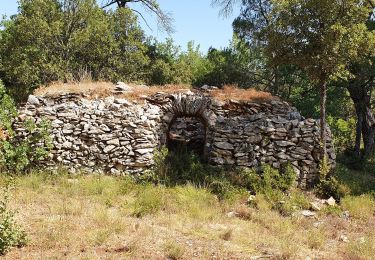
<point x="93" y="217"/>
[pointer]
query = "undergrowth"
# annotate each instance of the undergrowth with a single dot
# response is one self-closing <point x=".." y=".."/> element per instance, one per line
<point x="184" y="167"/>
<point x="11" y="234"/>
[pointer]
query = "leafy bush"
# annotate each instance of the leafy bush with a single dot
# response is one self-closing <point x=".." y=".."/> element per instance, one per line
<point x="11" y="234"/>
<point x="70" y="38"/>
<point x="343" y="132"/>
<point x="18" y="154"/>
<point x="329" y="186"/>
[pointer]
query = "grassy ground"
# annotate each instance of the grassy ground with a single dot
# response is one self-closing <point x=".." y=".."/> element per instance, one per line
<point x="101" y="217"/>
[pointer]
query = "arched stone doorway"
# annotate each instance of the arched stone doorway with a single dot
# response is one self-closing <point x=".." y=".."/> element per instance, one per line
<point x="187" y="133"/>
<point x="189" y="119"/>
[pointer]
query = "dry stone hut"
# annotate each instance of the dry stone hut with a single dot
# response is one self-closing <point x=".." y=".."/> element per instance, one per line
<point x="116" y="135"/>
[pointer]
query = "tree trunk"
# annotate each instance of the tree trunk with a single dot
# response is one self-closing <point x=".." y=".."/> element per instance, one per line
<point x="358" y="133"/>
<point x="368" y="128"/>
<point x="323" y="133"/>
<point x="365" y="130"/>
<point x="276" y="85"/>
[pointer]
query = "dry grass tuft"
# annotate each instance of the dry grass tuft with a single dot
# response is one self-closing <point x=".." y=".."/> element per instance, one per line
<point x="251" y="94"/>
<point x="101" y="89"/>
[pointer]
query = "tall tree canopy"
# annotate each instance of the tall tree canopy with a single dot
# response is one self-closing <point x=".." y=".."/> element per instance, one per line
<point x="51" y="40"/>
<point x="321" y="37"/>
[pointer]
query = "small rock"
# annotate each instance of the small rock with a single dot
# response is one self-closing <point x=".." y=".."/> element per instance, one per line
<point x="344" y="239"/>
<point x="115" y="142"/>
<point x="331" y="201"/>
<point x="122" y="101"/>
<point x="232" y="214"/>
<point x="346" y="215"/>
<point x="121" y="86"/>
<point x="317" y="224"/>
<point x="144" y="151"/>
<point x="224" y="145"/>
<point x="33" y="100"/>
<point x="308" y="213"/>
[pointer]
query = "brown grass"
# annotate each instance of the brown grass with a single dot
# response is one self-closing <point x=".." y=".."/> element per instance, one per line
<point x="3" y="135"/>
<point x="94" y="90"/>
<point x="92" y="217"/>
<point x="251" y="94"/>
<point x="100" y="89"/>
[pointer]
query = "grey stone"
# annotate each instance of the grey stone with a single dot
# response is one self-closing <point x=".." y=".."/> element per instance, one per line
<point x="121" y="86"/>
<point x="33" y="100"/>
<point x="109" y="148"/>
<point x="224" y="145"/>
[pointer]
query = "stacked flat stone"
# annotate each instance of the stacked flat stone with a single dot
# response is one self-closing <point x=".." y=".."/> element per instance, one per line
<point x="118" y="136"/>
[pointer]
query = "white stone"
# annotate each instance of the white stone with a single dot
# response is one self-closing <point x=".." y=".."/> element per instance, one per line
<point x="115" y="142"/>
<point x="144" y="151"/>
<point x="331" y="201"/>
<point x="33" y="100"/>
<point x="308" y="213"/>
<point x="109" y="148"/>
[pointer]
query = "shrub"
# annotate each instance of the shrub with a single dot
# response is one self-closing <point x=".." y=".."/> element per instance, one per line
<point x="17" y="154"/>
<point x="295" y="200"/>
<point x="329" y="186"/>
<point x="343" y="132"/>
<point x="173" y="250"/>
<point x="183" y="167"/>
<point x="274" y="179"/>
<point x="149" y="200"/>
<point x="11" y="234"/>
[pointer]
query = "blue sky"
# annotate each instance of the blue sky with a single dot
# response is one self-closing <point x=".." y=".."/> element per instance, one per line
<point x="194" y="20"/>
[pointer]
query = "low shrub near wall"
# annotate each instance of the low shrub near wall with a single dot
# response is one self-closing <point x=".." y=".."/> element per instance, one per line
<point x="19" y="154"/>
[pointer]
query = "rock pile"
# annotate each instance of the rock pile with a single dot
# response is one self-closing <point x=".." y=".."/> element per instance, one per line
<point x="116" y="135"/>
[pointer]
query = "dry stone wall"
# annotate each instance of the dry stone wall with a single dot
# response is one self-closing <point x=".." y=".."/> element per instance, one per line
<point x="116" y="135"/>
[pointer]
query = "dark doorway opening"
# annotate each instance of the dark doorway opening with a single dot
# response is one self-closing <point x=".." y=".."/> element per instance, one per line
<point x="187" y="135"/>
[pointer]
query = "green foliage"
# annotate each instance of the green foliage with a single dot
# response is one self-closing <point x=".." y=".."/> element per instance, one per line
<point x="324" y="168"/>
<point x="318" y="36"/>
<point x="183" y="167"/>
<point x="356" y="181"/>
<point x="7" y="110"/>
<point x="65" y="40"/>
<point x="330" y="188"/>
<point x="343" y="132"/>
<point x="11" y="234"/>
<point x="149" y="200"/>
<point x="18" y="154"/>
<point x="294" y="201"/>
<point x="170" y="65"/>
